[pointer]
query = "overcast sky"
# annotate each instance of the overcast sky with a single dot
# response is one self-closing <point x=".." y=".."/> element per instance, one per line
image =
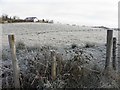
<point x="82" y="12"/>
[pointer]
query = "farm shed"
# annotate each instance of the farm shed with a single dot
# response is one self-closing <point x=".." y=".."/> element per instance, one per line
<point x="31" y="19"/>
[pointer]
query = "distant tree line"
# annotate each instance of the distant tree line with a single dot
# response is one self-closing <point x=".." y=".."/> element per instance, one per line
<point x="14" y="19"/>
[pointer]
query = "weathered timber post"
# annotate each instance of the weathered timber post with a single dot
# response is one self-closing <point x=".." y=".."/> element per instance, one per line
<point x="114" y="53"/>
<point x="109" y="49"/>
<point x="59" y="63"/>
<point x="11" y="39"/>
<point x="54" y="65"/>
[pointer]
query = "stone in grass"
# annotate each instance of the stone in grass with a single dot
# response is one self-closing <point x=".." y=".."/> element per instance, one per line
<point x="89" y="45"/>
<point x="73" y="46"/>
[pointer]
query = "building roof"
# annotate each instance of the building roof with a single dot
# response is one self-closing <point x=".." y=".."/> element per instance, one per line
<point x="30" y="18"/>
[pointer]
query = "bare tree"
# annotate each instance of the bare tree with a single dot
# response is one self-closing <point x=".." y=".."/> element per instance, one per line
<point x="4" y="17"/>
<point x="15" y="17"/>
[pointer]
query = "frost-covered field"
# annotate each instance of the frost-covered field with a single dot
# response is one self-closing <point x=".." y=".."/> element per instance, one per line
<point x="69" y="41"/>
<point x="54" y="34"/>
<point x="58" y="35"/>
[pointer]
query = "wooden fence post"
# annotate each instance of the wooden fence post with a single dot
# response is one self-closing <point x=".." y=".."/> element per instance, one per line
<point x="109" y="49"/>
<point x="59" y="63"/>
<point x="11" y="39"/>
<point x="114" y="53"/>
<point x="54" y="65"/>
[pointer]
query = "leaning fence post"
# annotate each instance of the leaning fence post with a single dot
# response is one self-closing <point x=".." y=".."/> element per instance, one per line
<point x="114" y="53"/>
<point x="109" y="49"/>
<point x="11" y="39"/>
<point x="54" y="65"/>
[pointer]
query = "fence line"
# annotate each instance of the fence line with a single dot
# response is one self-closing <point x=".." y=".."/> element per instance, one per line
<point x="111" y="45"/>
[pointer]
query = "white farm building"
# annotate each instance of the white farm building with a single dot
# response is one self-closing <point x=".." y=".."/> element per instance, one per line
<point x="31" y="19"/>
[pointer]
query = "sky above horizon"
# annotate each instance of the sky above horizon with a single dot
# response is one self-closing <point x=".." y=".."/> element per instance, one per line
<point x="81" y="12"/>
